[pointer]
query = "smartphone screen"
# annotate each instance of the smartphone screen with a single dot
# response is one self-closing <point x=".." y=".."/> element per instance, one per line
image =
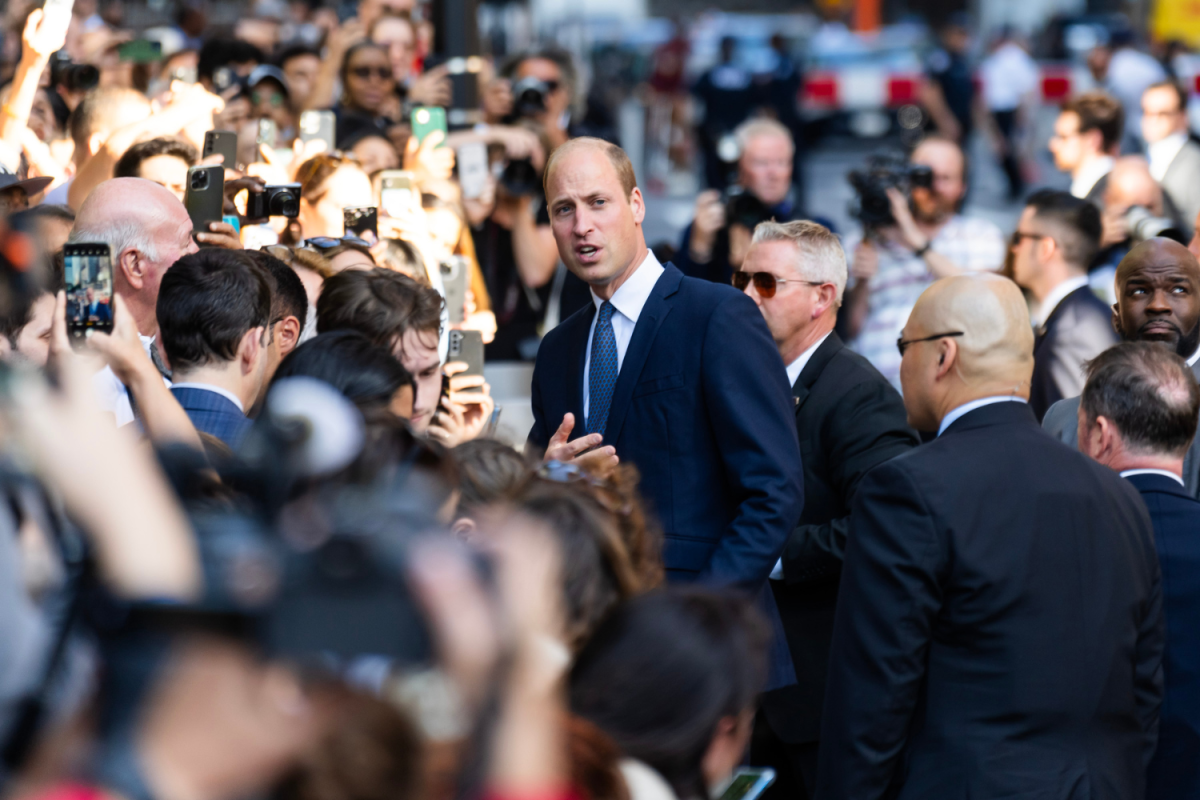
<point x="140" y="51"/>
<point x="455" y="272"/>
<point x="87" y="268"/>
<point x="426" y="120"/>
<point x="748" y="783"/>
<point x="318" y="125"/>
<point x="396" y="192"/>
<point x="267" y="132"/>
<point x="472" y="162"/>
<point x="362" y="222"/>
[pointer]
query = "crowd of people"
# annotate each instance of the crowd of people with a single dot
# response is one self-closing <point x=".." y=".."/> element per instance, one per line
<point x="899" y="513"/>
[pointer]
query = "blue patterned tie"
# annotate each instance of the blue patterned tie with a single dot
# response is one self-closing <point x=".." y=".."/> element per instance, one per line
<point x="602" y="371"/>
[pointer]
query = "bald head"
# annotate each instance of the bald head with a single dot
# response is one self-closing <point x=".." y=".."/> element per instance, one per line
<point x="1158" y="296"/>
<point x="127" y="201"/>
<point x="1131" y="184"/>
<point x="992" y="356"/>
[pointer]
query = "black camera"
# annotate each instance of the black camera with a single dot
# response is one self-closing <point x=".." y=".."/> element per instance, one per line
<point x="520" y="179"/>
<point x="274" y="201"/>
<point x="885" y="171"/>
<point x="71" y="76"/>
<point x="529" y="97"/>
<point x="744" y="208"/>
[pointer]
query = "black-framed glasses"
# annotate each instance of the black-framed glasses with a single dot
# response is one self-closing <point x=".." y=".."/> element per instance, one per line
<point x="363" y="73"/>
<point x="902" y="343"/>
<point x="764" y="282"/>
<point x="1018" y="236"/>
<point x="329" y="242"/>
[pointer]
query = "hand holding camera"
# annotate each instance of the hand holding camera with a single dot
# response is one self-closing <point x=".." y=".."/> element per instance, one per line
<point x="710" y="218"/>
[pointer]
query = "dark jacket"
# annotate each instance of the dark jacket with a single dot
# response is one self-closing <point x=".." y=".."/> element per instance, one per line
<point x="702" y="408"/>
<point x="214" y="414"/>
<point x="999" y="628"/>
<point x="1077" y="330"/>
<point x="1174" y="773"/>
<point x="849" y="419"/>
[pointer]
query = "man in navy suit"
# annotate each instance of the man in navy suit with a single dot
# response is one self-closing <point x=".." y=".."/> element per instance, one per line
<point x="676" y="375"/>
<point x="94" y="309"/>
<point x="213" y="308"/>
<point x="1138" y="416"/>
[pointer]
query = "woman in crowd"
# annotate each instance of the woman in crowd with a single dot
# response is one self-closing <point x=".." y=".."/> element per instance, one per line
<point x="329" y="182"/>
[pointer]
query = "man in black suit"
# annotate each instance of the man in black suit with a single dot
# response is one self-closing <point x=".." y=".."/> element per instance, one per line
<point x="1174" y="156"/>
<point x="999" y="628"/>
<point x="1087" y="135"/>
<point x="678" y="376"/>
<point x="1138" y="416"/>
<point x="1055" y="240"/>
<point x="1158" y="300"/>
<point x="849" y="419"/>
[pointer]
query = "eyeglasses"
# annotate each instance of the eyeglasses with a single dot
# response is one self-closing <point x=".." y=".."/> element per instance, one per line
<point x="363" y="73"/>
<point x="764" y="282"/>
<point x="328" y="242"/>
<point x="902" y="343"/>
<point x="274" y="98"/>
<point x="1018" y="236"/>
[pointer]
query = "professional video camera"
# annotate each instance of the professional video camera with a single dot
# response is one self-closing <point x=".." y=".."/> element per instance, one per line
<point x="1143" y="224"/>
<point x="884" y="171"/>
<point x="71" y="76"/>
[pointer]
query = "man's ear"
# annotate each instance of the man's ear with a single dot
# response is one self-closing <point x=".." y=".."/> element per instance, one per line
<point x="1116" y="321"/>
<point x="132" y="268"/>
<point x="250" y="348"/>
<point x="95" y="142"/>
<point x="947" y="356"/>
<point x="826" y="298"/>
<point x="638" y="204"/>
<point x="287" y="333"/>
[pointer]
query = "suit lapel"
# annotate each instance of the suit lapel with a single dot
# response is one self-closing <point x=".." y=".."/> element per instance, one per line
<point x="815" y="366"/>
<point x="653" y="314"/>
<point x="577" y="358"/>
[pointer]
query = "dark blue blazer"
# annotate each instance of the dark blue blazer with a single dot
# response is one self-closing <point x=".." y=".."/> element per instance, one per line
<point x="214" y="414"/>
<point x="1175" y="770"/>
<point x="703" y="408"/>
<point x="998" y="631"/>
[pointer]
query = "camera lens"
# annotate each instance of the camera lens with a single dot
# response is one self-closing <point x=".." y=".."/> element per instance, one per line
<point x="284" y="204"/>
<point x="199" y="180"/>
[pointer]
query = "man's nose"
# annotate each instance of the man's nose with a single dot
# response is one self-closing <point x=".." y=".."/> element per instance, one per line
<point x="1158" y="303"/>
<point x="583" y="222"/>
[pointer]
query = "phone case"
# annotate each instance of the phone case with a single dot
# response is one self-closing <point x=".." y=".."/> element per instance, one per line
<point x="454" y="285"/>
<point x="224" y="143"/>
<point x="318" y="125"/>
<point x="426" y="120"/>
<point x="467" y="347"/>
<point x="205" y="197"/>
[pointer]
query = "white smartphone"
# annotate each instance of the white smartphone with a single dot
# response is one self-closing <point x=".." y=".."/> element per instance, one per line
<point x="747" y="783"/>
<point x="472" y="168"/>
<point x="396" y="192"/>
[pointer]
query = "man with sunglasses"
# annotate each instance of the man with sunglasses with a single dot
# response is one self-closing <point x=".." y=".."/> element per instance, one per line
<point x="849" y="419"/>
<point x="1056" y="238"/>
<point x="999" y="626"/>
<point x="675" y="375"/>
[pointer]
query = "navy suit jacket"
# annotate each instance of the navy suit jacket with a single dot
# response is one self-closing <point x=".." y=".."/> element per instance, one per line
<point x="703" y="408"/>
<point x="1175" y="770"/>
<point x="1077" y="330"/>
<point x="214" y="414"/>
<point x="998" y="631"/>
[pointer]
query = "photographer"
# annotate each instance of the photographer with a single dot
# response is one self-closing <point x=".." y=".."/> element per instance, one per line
<point x="717" y="239"/>
<point x="914" y="242"/>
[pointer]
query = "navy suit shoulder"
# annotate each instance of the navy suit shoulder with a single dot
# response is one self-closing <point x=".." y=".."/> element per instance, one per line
<point x="999" y="625"/>
<point x="214" y="414"/>
<point x="1078" y="330"/>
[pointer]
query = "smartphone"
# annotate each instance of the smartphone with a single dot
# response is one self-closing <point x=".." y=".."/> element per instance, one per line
<point x="467" y="347"/>
<point x="205" y="196"/>
<point x="140" y="51"/>
<point x="426" y="120"/>
<point x="267" y="133"/>
<point x="184" y="74"/>
<point x="222" y="143"/>
<point x="748" y="783"/>
<point x="87" y="269"/>
<point x="318" y="125"/>
<point x="58" y="12"/>
<point x="455" y="275"/>
<point x="472" y="160"/>
<point x="362" y="222"/>
<point x="396" y="192"/>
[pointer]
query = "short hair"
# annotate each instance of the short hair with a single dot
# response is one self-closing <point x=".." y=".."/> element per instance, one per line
<point x="120" y="235"/>
<point x="295" y="50"/>
<point x="43" y="211"/>
<point x="1148" y="392"/>
<point x="488" y="472"/>
<point x="561" y="58"/>
<point x="821" y="257"/>
<point x="288" y="298"/>
<point x="1099" y="111"/>
<point x="207" y="302"/>
<point x="760" y="126"/>
<point x="221" y="52"/>
<point x="381" y="304"/>
<point x="97" y="109"/>
<point x="1073" y="222"/>
<point x="366" y="374"/>
<point x="19" y="311"/>
<point x="616" y="156"/>
<point x="400" y="16"/>
<point x="130" y="164"/>
<point x="1175" y="86"/>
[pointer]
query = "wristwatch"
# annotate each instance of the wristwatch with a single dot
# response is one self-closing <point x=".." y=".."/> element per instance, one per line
<point x="924" y="249"/>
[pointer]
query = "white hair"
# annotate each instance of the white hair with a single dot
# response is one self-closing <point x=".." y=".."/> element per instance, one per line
<point x="820" y="257"/>
<point x="119" y="235"/>
<point x="760" y="126"/>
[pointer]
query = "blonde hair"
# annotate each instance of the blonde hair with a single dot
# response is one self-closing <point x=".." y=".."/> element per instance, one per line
<point x="820" y="257"/>
<point x="760" y="126"/>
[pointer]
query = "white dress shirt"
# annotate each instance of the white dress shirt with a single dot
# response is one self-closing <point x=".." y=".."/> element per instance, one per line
<point x="1089" y="174"/>
<point x="966" y="408"/>
<point x="112" y="394"/>
<point x="1163" y="472"/>
<point x="1056" y="296"/>
<point x="628" y="302"/>
<point x="208" y="387"/>
<point x="1193" y="358"/>
<point x="1163" y="152"/>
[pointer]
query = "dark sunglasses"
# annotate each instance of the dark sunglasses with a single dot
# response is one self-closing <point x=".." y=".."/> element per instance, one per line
<point x="328" y="242"/>
<point x="274" y="98"/>
<point x="764" y="282"/>
<point x="363" y="73"/>
<point x="902" y="343"/>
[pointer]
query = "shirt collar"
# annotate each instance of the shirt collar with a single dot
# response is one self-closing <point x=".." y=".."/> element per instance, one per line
<point x="966" y="408"/>
<point x="1056" y="296"/>
<point x="1164" y="473"/>
<point x="1089" y="174"/>
<point x="632" y="295"/>
<point x="1193" y="358"/>
<point x="1163" y="152"/>
<point x="208" y="387"/>
<point x="796" y="367"/>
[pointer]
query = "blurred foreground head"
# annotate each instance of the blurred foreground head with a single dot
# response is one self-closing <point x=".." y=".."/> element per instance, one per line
<point x="968" y="337"/>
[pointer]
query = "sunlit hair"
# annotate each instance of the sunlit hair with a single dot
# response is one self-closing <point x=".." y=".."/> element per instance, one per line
<point x="616" y="156"/>
<point x="819" y="256"/>
<point x="760" y="126"/>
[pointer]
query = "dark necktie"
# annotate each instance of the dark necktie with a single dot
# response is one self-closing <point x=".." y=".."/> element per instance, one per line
<point x="156" y="358"/>
<point x="602" y="371"/>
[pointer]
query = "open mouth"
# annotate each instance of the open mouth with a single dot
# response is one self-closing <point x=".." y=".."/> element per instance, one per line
<point x="587" y="253"/>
